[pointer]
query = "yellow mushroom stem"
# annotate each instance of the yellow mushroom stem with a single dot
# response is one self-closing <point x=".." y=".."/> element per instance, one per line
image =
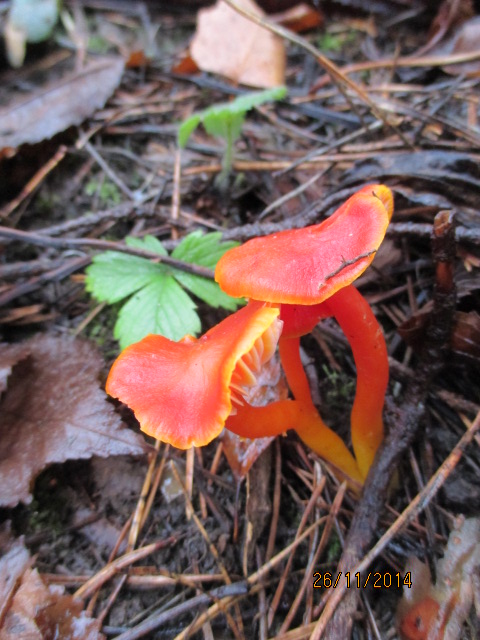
<point x="365" y="336"/>
<point x="277" y="417"/>
<point x="289" y="349"/>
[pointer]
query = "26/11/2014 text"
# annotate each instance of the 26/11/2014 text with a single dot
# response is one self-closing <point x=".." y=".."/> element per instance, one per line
<point x="377" y="580"/>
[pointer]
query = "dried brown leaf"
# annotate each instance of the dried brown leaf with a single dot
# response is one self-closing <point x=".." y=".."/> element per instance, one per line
<point x="450" y="15"/>
<point x="31" y="610"/>
<point x="466" y="334"/>
<point x="437" y="612"/>
<point x="229" y="44"/>
<point x="465" y="340"/>
<point x="38" y="612"/>
<point x="299" y="18"/>
<point x="466" y="40"/>
<point x="59" y="105"/>
<point x="241" y="453"/>
<point x="186" y="65"/>
<point x="14" y="560"/>
<point x="53" y="410"/>
<point x="10" y="355"/>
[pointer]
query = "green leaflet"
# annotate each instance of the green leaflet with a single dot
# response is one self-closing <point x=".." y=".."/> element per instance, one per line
<point x="161" y="307"/>
<point x="226" y="119"/>
<point x="157" y="300"/>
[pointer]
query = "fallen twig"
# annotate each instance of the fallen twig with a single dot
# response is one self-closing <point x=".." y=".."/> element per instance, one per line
<point x="105" y="245"/>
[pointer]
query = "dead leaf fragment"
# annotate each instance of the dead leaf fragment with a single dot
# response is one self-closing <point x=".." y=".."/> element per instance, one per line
<point x="38" y="612"/>
<point x="299" y="18"/>
<point x="59" y="105"/>
<point x="229" y="44"/>
<point x="450" y="15"/>
<point x="465" y="339"/>
<point x="31" y="610"/>
<point x="54" y="410"/>
<point x="466" y="40"/>
<point x="10" y="355"/>
<point x="14" y="560"/>
<point x="437" y="612"/>
<point x="241" y="453"/>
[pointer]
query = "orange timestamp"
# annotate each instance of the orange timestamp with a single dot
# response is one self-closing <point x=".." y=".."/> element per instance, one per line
<point x="376" y="580"/>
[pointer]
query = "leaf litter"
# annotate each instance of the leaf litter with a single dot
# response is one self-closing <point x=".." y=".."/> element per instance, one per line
<point x="227" y="43"/>
<point x="437" y="611"/>
<point x="59" y="105"/>
<point x="54" y="410"/>
<point x="30" y="608"/>
<point x="315" y="148"/>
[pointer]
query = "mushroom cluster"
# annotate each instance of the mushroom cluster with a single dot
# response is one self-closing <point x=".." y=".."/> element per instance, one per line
<point x="185" y="392"/>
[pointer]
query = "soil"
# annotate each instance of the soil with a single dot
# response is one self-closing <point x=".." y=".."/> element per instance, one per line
<point x="80" y="509"/>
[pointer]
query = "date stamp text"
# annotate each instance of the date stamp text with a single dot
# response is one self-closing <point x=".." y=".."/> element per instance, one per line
<point x="374" y="579"/>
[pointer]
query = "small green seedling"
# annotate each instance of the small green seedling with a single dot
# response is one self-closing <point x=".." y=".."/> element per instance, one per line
<point x="157" y="300"/>
<point x="225" y="120"/>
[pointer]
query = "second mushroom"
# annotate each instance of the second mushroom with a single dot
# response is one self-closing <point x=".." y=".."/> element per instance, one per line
<point x="308" y="273"/>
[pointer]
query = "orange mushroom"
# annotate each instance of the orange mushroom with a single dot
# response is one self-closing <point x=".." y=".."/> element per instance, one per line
<point x="306" y="266"/>
<point x="183" y="392"/>
<point x="309" y="273"/>
<point x="365" y="336"/>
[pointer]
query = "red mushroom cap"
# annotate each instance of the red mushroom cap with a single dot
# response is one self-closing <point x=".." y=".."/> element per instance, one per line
<point x="182" y="392"/>
<point x="307" y="266"/>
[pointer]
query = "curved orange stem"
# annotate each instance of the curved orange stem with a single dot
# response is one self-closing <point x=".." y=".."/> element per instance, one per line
<point x="356" y="319"/>
<point x="263" y="422"/>
<point x="278" y="417"/>
<point x="289" y="349"/>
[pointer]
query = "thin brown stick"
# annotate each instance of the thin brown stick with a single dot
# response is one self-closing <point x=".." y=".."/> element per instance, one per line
<point x="343" y="82"/>
<point x="405" y="61"/>
<point x="35" y="181"/>
<point x="282" y="582"/>
<point x="113" y="554"/>
<point x="335" y="508"/>
<point x="236" y="626"/>
<point x="110" y="173"/>
<point x="177" y="169"/>
<point x="64" y="270"/>
<point x="117" y="565"/>
<point x="28" y="237"/>
<point x="416" y="506"/>
<point x="138" y="515"/>
<point x="189" y="606"/>
<point x="252" y="582"/>
<point x="155" y="484"/>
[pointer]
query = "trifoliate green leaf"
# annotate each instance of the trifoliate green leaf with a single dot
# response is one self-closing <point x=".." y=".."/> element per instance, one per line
<point x="162" y="307"/>
<point x="159" y="304"/>
<point x="203" y="249"/>
<point x="113" y="276"/>
<point x="226" y="119"/>
<point x="148" y="243"/>
<point x="207" y="290"/>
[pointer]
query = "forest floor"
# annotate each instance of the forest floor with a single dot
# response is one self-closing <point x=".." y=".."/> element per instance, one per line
<point x="266" y="541"/>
